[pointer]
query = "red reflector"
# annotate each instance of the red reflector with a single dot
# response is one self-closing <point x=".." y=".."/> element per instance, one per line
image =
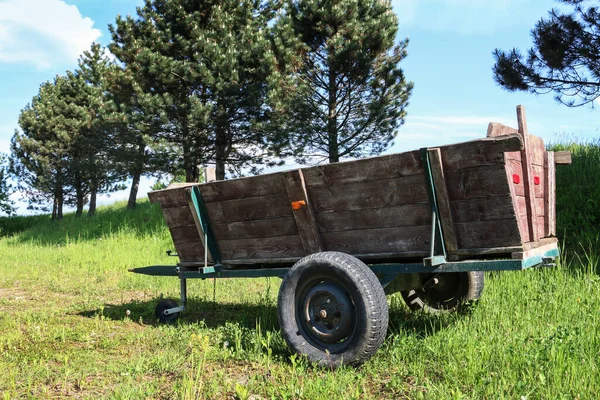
<point x="516" y="179"/>
<point x="536" y="180"/>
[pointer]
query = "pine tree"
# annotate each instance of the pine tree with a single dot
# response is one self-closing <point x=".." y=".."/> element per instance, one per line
<point x="353" y="93"/>
<point x="6" y="204"/>
<point x="204" y="66"/>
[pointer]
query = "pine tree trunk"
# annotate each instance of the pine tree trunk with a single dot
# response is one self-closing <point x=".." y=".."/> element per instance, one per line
<point x="79" y="198"/>
<point x="54" y="208"/>
<point x="221" y="144"/>
<point x="332" y="132"/>
<point x="93" y="197"/>
<point x="136" y="176"/>
<point x="59" y="206"/>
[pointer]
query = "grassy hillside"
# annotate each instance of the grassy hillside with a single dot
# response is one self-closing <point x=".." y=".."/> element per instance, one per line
<point x="75" y="323"/>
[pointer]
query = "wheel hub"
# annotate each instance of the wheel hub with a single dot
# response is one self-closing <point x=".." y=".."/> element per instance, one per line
<point x="328" y="312"/>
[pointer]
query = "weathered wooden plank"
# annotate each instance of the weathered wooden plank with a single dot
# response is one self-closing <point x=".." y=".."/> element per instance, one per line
<point x="191" y="251"/>
<point x="537" y="151"/>
<point x="175" y="197"/>
<point x="562" y="157"/>
<point x="185" y="234"/>
<point x="527" y="173"/>
<point x="178" y="216"/>
<point x="443" y="201"/>
<point x="486" y="251"/>
<point x="480" y="234"/>
<point x="384" y="240"/>
<point x="523" y="218"/>
<point x="539" y="243"/>
<point x="497" y="129"/>
<point x="253" y="186"/>
<point x="514" y="167"/>
<point x="285" y="226"/>
<point x="251" y="208"/>
<point x="389" y="217"/>
<point x="513" y="155"/>
<point x="539" y="177"/>
<point x="376" y="168"/>
<point x="479" y="152"/>
<point x="264" y="248"/>
<point x="486" y="181"/>
<point x="522" y="255"/>
<point x="370" y="194"/>
<point x="303" y="212"/>
<point x="550" y="195"/>
<point x="483" y="209"/>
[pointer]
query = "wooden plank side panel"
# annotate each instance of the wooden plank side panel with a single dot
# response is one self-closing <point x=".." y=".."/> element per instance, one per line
<point x="263" y="248"/>
<point x="522" y="217"/>
<point x="483" y="209"/>
<point x="285" y="226"/>
<point x="178" y="216"/>
<point x="190" y="251"/>
<point x="174" y="197"/>
<point x="369" y="194"/>
<point x="443" y="200"/>
<point x="486" y="181"/>
<point x="254" y="186"/>
<point x="303" y="212"/>
<point x="514" y="167"/>
<point x="550" y="195"/>
<point x="526" y="158"/>
<point x="369" y="169"/>
<point x="248" y="209"/>
<point x="482" y="234"/>
<point x="498" y="129"/>
<point x="481" y="152"/>
<point x="185" y="234"/>
<point x="408" y="215"/>
<point x="384" y="240"/>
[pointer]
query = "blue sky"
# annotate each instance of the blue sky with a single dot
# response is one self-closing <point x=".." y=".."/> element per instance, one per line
<point x="449" y="60"/>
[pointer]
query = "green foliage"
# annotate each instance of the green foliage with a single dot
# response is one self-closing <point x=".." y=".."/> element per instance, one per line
<point x="6" y="204"/>
<point x="352" y="93"/>
<point x="204" y="67"/>
<point x="563" y="59"/>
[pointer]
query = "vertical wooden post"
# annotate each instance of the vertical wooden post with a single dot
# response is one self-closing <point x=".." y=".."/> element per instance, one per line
<point x="443" y="201"/>
<point x="303" y="212"/>
<point x="550" y="195"/>
<point x="532" y="213"/>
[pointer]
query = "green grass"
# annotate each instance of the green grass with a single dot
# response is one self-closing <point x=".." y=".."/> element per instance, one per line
<point x="75" y="323"/>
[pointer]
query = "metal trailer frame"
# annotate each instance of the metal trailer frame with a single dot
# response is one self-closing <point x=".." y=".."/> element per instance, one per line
<point x="436" y="263"/>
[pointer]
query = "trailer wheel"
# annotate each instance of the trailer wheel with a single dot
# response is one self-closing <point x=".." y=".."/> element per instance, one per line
<point x="332" y="308"/>
<point x="445" y="292"/>
<point x="163" y="305"/>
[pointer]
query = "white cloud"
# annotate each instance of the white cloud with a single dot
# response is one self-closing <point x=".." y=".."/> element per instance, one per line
<point x="462" y="16"/>
<point x="43" y="32"/>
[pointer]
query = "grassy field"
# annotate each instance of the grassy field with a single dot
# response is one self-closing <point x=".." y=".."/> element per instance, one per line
<point x="74" y="323"/>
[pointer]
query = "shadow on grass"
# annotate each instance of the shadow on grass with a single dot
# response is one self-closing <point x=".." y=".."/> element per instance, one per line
<point x="213" y="314"/>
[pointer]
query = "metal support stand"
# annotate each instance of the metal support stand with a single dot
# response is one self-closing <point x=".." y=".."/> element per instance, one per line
<point x="437" y="254"/>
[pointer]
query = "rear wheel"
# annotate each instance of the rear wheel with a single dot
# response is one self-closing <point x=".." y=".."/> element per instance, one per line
<point x="332" y="309"/>
<point x="163" y="305"/>
<point x="445" y="292"/>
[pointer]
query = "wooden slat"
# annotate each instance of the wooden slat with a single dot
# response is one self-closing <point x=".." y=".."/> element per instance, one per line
<point x="482" y="234"/>
<point x="369" y="194"/>
<point x="540" y="173"/>
<point x="483" y="209"/>
<point x="497" y="129"/>
<point x="533" y="252"/>
<point x="167" y="198"/>
<point x="443" y="201"/>
<point x="178" y="216"/>
<point x="514" y="167"/>
<point x="191" y="251"/>
<point x="304" y="215"/>
<point x="251" y="208"/>
<point x="527" y="174"/>
<point x="562" y="157"/>
<point x="537" y="151"/>
<point x="487" y="181"/>
<point x="254" y="186"/>
<point x="550" y="195"/>
<point x="479" y="152"/>
<point x="285" y="226"/>
<point x="522" y="217"/>
<point x="369" y="169"/>
<point x="385" y="240"/>
<point x="408" y="215"/>
<point x="264" y="248"/>
<point x="185" y="234"/>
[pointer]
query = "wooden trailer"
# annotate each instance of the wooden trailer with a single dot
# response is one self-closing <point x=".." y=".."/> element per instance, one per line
<point x="425" y="223"/>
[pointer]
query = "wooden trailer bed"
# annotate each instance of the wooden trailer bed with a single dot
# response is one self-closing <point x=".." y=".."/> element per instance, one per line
<point x="495" y="197"/>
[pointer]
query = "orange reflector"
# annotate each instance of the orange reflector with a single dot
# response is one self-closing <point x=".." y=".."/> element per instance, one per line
<point x="516" y="179"/>
<point x="536" y="180"/>
<point x="296" y="205"/>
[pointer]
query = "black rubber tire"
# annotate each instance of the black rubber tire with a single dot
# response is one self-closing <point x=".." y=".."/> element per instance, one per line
<point x="456" y="289"/>
<point x="163" y="305"/>
<point x="353" y="318"/>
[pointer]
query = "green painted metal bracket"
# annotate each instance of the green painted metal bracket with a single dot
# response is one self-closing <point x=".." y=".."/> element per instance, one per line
<point x="438" y="244"/>
<point x="237" y="273"/>
<point x="202" y="213"/>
